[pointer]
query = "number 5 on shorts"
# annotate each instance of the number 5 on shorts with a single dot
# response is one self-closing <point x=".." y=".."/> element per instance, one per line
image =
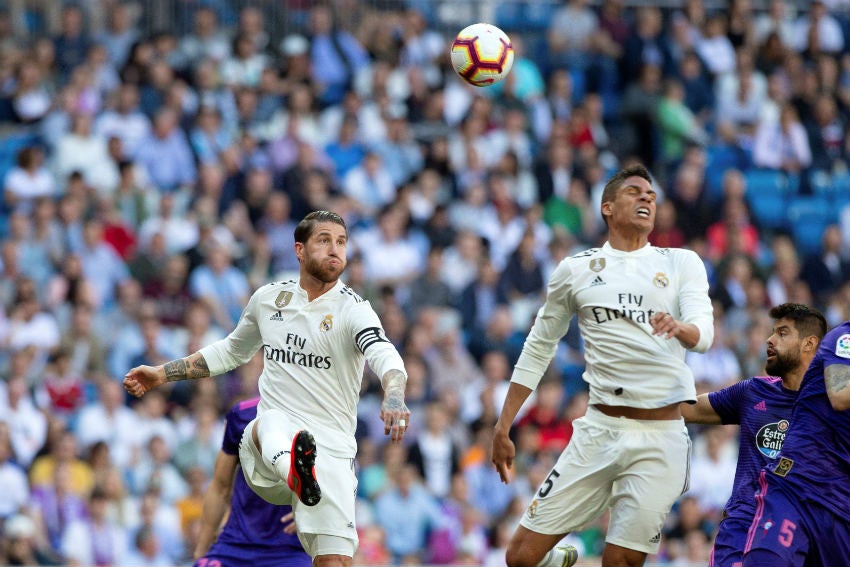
<point x="547" y="484"/>
<point x="786" y="532"/>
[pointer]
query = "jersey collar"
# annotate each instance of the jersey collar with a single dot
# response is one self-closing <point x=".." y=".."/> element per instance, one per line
<point x="332" y="292"/>
<point x="608" y="249"/>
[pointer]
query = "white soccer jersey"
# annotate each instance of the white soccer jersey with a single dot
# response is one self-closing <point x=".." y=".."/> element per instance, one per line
<point x="614" y="293"/>
<point x="314" y="353"/>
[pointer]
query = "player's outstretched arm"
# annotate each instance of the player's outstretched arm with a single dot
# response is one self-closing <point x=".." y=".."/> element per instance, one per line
<point x="837" y="378"/>
<point x="503" y="448"/>
<point x="394" y="411"/>
<point x="144" y="378"/>
<point x="700" y="412"/>
<point x="216" y="502"/>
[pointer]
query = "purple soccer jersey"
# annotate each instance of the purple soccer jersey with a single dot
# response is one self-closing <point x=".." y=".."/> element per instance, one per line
<point x="815" y="459"/>
<point x="762" y="407"/>
<point x="800" y="517"/>
<point x="253" y="534"/>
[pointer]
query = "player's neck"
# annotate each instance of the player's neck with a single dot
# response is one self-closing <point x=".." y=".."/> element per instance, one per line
<point x="627" y="242"/>
<point x="315" y="288"/>
<point x="793" y="379"/>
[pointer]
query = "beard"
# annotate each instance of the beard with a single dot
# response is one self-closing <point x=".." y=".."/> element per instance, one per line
<point x="782" y="364"/>
<point x="323" y="272"/>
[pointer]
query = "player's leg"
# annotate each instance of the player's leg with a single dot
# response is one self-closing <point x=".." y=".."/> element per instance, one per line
<point x="728" y="548"/>
<point x="576" y="492"/>
<point x="327" y="530"/>
<point x="532" y="549"/>
<point x="829" y="537"/>
<point x="777" y="536"/>
<point x="291" y="453"/>
<point x="655" y="473"/>
<point x="263" y="479"/>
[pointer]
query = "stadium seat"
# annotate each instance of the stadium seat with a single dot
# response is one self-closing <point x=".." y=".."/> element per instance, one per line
<point x="769" y="209"/>
<point x="808" y="217"/>
<point x="841" y="182"/>
<point x="538" y="14"/>
<point x="821" y="183"/>
<point x="719" y="159"/>
<point x="509" y="16"/>
<point x="807" y="237"/>
<point x="811" y="209"/>
<point x="770" y="181"/>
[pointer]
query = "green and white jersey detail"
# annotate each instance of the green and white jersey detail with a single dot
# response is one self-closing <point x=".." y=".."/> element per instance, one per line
<point x="614" y="294"/>
<point x="314" y="353"/>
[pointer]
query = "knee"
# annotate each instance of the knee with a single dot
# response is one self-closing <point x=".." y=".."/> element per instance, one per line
<point x="520" y="556"/>
<point x="332" y="561"/>
<point x="616" y="556"/>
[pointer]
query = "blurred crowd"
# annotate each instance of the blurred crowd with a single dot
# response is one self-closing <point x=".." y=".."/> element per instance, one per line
<point x="155" y="156"/>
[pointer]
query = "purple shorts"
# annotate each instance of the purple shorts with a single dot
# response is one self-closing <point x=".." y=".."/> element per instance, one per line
<point x="728" y="550"/>
<point x="223" y="555"/>
<point x="786" y="532"/>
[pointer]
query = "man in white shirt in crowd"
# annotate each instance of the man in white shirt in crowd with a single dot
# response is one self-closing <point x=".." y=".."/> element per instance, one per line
<point x="316" y="335"/>
<point x="639" y="309"/>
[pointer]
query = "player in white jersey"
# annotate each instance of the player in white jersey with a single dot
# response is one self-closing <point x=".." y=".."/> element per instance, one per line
<point x="639" y="308"/>
<point x="316" y="335"/>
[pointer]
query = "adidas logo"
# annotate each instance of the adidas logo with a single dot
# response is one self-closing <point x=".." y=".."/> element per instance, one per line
<point x="656" y="538"/>
<point x="597" y="281"/>
<point x="276" y="317"/>
<point x="761" y="406"/>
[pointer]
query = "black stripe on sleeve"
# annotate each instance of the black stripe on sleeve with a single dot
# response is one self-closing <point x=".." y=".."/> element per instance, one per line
<point x="369" y="336"/>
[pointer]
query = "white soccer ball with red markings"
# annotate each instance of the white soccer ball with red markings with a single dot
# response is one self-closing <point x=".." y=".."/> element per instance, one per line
<point x="482" y="54"/>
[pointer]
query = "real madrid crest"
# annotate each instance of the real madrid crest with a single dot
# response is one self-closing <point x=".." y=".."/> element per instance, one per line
<point x="327" y="323"/>
<point x="660" y="280"/>
<point x="597" y="264"/>
<point x="532" y="508"/>
<point x="283" y="299"/>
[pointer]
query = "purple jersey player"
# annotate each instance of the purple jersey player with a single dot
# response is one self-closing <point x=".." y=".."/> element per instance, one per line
<point x="253" y="534"/>
<point x="801" y="507"/>
<point x="762" y="407"/>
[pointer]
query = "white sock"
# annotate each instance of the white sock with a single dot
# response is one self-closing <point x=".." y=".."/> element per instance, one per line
<point x="553" y="558"/>
<point x="275" y="442"/>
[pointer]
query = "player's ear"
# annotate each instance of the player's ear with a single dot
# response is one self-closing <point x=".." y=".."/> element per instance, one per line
<point x="299" y="251"/>
<point x="607" y="209"/>
<point x="810" y="343"/>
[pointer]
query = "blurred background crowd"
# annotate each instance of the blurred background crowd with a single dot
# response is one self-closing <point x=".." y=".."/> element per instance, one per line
<point x="155" y="156"/>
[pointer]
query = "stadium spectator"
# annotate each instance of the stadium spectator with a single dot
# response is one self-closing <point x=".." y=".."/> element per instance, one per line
<point x="94" y="539"/>
<point x="166" y="155"/>
<point x="16" y="496"/>
<point x="28" y="180"/>
<point x="783" y="144"/>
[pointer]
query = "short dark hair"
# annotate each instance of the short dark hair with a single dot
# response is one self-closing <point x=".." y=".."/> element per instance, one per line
<point x="308" y="224"/>
<point x="807" y="320"/>
<point x="609" y="193"/>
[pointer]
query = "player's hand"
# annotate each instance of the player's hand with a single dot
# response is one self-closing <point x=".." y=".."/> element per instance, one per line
<point x="665" y="325"/>
<point x="395" y="415"/>
<point x="504" y="452"/>
<point x="142" y="379"/>
<point x="288" y="521"/>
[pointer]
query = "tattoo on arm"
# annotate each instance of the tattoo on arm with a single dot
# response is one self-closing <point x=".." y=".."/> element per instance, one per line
<point x="175" y="370"/>
<point x="837" y="377"/>
<point x="192" y="367"/>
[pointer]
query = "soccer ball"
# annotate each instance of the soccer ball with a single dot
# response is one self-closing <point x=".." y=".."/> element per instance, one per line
<point x="482" y="54"/>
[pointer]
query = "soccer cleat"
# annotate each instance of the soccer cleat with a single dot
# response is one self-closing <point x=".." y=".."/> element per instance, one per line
<point x="570" y="555"/>
<point x="302" y="472"/>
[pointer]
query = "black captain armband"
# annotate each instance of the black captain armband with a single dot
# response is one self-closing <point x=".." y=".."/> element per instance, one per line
<point x="369" y="336"/>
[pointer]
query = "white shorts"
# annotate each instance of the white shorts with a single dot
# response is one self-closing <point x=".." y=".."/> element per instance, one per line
<point x="334" y="514"/>
<point x="638" y="468"/>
